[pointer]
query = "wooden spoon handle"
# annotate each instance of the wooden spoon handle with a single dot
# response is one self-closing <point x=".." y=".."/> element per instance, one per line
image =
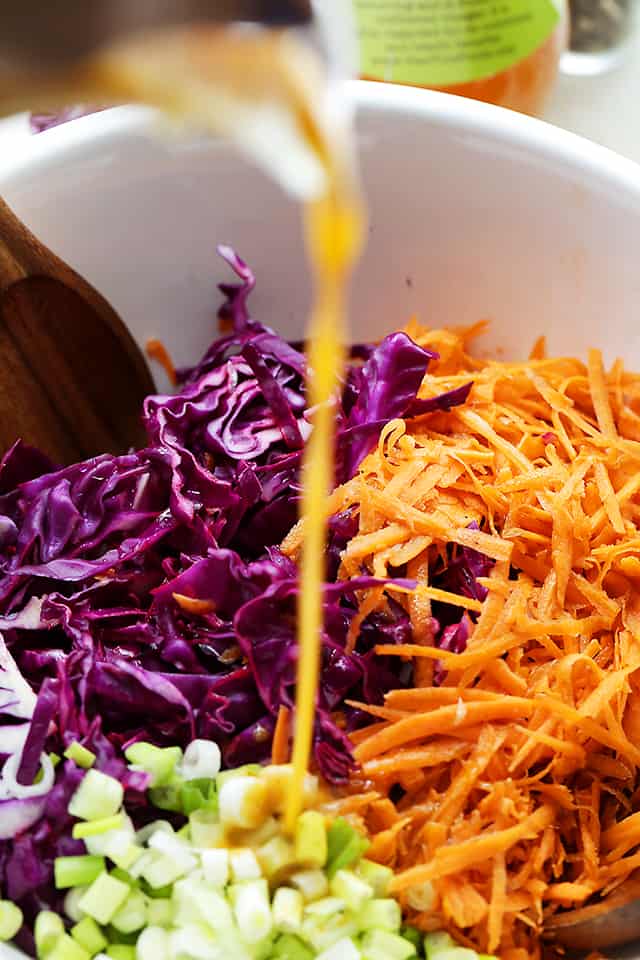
<point x="13" y="240"/>
<point x="74" y="378"/>
<point x="22" y="254"/>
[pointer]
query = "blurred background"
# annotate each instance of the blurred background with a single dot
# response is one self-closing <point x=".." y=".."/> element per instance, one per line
<point x="598" y="89"/>
<point x="575" y="63"/>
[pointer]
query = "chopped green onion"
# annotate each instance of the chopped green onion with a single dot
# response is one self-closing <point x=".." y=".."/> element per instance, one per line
<point x="153" y="944"/>
<point x="77" y="871"/>
<point x="202" y="759"/>
<point x="89" y="935"/>
<point x="104" y="898"/>
<point x="197" y="940"/>
<point x="116" y="843"/>
<point x="414" y="936"/>
<point x="375" y="874"/>
<point x="160" y="912"/>
<point x="125" y="876"/>
<point x="267" y="830"/>
<point x="93" y="828"/>
<point x="350" y="888"/>
<point x="252" y="910"/>
<point x="66" y="948"/>
<point x="121" y="951"/>
<point x="168" y="797"/>
<point x="10" y="920"/>
<point x="47" y="930"/>
<point x="322" y="932"/>
<point x="143" y="834"/>
<point x="55" y="759"/>
<point x="80" y="755"/>
<point x="161" y="870"/>
<point x="325" y="908"/>
<point x="189" y="893"/>
<point x="206" y="829"/>
<point x="196" y="904"/>
<point x="158" y="893"/>
<point x="126" y="858"/>
<point x="289" y="947"/>
<point x="158" y="761"/>
<point x="345" y="846"/>
<point x="173" y="846"/>
<point x="441" y="946"/>
<point x="244" y="865"/>
<point x="438" y="942"/>
<point x="97" y="797"/>
<point x="287" y="909"/>
<point x="275" y="856"/>
<point x="380" y="945"/>
<point x="215" y="866"/>
<point x="199" y="795"/>
<point x="132" y="915"/>
<point x="382" y="915"/>
<point x="311" y="839"/>
<point x="345" y="949"/>
<point x="242" y="802"/>
<point x="248" y="770"/>
<point x="71" y="901"/>
<point x="312" y="884"/>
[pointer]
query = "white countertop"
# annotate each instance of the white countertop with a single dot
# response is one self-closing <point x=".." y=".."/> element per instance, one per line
<point x="605" y="108"/>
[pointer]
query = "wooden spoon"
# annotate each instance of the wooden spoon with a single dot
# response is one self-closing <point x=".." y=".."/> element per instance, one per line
<point x="611" y="922"/>
<point x="72" y="379"/>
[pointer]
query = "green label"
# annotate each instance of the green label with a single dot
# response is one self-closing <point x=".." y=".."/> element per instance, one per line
<point x="436" y="43"/>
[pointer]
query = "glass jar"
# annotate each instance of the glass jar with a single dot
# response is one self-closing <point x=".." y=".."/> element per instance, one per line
<point x="598" y="35"/>
<point x="501" y="51"/>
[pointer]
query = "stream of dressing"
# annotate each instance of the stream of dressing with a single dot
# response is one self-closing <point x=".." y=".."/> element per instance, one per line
<point x="267" y="92"/>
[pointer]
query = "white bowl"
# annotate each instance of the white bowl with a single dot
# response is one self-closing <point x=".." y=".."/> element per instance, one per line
<point x="474" y="213"/>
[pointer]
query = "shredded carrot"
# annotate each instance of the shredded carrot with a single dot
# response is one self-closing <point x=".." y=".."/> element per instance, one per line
<point x="498" y="901"/>
<point x="539" y="349"/>
<point x="281" y="734"/>
<point x="505" y="784"/>
<point x="475" y="850"/>
<point x="600" y="394"/>
<point x="157" y="351"/>
<point x="193" y="605"/>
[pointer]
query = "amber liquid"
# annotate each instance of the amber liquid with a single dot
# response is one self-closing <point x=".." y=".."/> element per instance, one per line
<point x="253" y="87"/>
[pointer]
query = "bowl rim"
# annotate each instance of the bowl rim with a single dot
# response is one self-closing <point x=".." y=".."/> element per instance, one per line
<point x="26" y="154"/>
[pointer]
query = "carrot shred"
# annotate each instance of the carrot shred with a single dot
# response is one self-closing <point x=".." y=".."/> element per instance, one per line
<point x="193" y="604"/>
<point x="539" y="349"/>
<point x="157" y="351"/>
<point x="600" y="394"/>
<point x="498" y="901"/>
<point x="449" y="718"/>
<point x="281" y="735"/>
<point x="475" y="850"/>
<point x="503" y="787"/>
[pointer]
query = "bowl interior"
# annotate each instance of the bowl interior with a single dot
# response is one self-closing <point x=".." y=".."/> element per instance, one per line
<point x="474" y="213"/>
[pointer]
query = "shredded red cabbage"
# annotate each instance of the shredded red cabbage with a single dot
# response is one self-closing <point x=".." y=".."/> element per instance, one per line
<point x="97" y="558"/>
<point x="39" y="122"/>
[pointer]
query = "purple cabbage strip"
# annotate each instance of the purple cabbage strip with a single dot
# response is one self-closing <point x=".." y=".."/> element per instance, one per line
<point x="39" y="122"/>
<point x="96" y="560"/>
